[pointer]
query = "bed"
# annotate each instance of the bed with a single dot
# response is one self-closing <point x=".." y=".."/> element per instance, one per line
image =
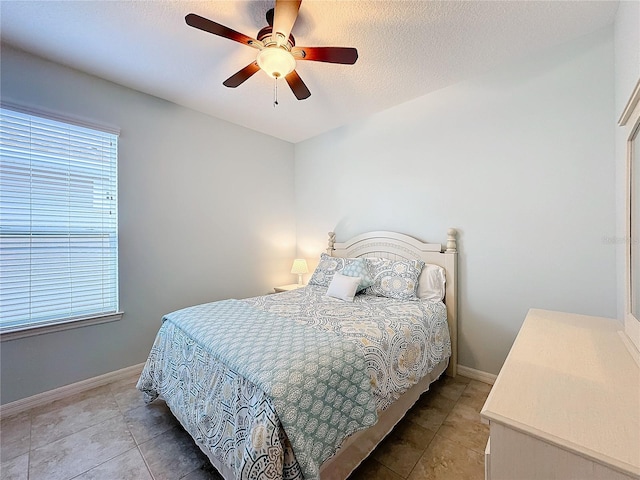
<point x="302" y="384"/>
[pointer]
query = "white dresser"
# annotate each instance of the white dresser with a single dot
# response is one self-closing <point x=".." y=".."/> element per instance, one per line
<point x="566" y="404"/>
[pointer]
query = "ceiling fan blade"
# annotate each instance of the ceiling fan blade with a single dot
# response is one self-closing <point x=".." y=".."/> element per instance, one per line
<point x="238" y="78"/>
<point x="298" y="87"/>
<point x="210" y="26"/>
<point x="284" y="16"/>
<point x="344" y="55"/>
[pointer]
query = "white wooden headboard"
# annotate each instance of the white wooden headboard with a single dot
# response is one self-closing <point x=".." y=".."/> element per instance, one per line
<point x="396" y="246"/>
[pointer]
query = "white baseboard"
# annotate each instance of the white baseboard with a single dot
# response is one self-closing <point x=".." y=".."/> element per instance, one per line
<point x="474" y="374"/>
<point x="44" y="398"/>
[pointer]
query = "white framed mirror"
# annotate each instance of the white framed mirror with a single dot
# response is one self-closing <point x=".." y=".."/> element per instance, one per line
<point x="630" y="120"/>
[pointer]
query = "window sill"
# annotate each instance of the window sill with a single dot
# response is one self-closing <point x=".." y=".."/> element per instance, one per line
<point x="29" y="331"/>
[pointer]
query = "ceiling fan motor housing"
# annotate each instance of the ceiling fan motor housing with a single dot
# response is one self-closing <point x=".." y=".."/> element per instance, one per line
<point x="265" y="36"/>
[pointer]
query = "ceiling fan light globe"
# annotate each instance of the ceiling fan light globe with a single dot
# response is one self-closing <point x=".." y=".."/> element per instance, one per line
<point x="276" y="62"/>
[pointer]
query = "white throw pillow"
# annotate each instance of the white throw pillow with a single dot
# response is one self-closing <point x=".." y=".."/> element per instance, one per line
<point x="431" y="283"/>
<point x="343" y="287"/>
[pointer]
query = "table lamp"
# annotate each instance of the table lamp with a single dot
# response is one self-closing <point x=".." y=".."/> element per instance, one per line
<point x="299" y="267"/>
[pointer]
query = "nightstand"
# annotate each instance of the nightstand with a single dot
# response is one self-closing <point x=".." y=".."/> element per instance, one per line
<point x="287" y="288"/>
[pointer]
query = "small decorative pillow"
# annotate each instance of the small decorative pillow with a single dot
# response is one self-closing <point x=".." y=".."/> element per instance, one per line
<point x="431" y="283"/>
<point x="394" y="278"/>
<point x="358" y="267"/>
<point x="343" y="287"/>
<point x="328" y="266"/>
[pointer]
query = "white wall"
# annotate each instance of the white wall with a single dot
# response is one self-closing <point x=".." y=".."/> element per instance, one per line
<point x="206" y="212"/>
<point x="627" y="73"/>
<point x="520" y="160"/>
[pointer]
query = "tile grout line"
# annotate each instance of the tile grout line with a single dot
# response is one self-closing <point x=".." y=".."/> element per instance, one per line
<point x="115" y="415"/>
<point x="431" y="441"/>
<point x="436" y="433"/>
<point x="146" y="464"/>
<point x="133" y="437"/>
<point x="72" y="433"/>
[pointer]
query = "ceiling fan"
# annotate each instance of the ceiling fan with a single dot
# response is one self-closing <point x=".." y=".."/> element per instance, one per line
<point x="278" y="53"/>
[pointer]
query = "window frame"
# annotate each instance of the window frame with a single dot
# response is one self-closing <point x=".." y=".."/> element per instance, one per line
<point x="54" y="325"/>
<point x="630" y="121"/>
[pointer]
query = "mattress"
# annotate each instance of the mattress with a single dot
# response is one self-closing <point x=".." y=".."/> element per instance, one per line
<point x="244" y="426"/>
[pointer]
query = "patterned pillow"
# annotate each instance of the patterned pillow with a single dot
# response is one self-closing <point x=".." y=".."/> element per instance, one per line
<point x="358" y="267"/>
<point x="394" y="278"/>
<point x="328" y="266"/>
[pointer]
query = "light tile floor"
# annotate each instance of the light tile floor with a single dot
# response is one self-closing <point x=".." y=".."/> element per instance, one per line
<point x="108" y="433"/>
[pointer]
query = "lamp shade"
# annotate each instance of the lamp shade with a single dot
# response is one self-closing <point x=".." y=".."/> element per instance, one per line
<point x="299" y="266"/>
<point x="277" y="62"/>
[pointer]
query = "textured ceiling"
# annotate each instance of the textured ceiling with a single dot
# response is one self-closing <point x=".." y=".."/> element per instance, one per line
<point x="406" y="49"/>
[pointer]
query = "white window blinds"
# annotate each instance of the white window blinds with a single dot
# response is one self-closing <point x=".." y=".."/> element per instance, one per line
<point x="58" y="222"/>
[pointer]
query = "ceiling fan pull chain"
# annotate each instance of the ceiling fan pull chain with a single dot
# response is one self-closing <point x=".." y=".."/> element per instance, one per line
<point x="275" y="92"/>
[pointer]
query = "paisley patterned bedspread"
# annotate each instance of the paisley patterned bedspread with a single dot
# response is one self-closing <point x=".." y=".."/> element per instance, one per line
<point x="243" y="427"/>
<point x="402" y="340"/>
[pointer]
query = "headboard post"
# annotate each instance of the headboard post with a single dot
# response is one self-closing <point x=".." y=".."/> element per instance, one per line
<point x="332" y="241"/>
<point x="452" y="244"/>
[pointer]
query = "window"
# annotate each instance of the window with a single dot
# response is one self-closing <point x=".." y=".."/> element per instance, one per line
<point x="58" y="222"/>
